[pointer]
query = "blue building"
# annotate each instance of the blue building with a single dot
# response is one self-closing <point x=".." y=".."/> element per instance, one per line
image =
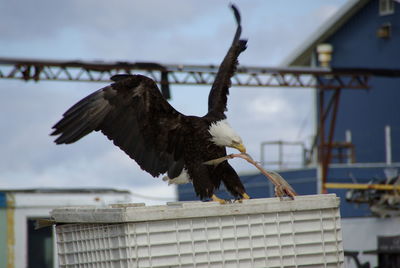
<point x="362" y="34"/>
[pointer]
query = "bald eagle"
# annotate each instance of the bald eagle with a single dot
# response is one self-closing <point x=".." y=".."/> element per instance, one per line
<point x="134" y="115"/>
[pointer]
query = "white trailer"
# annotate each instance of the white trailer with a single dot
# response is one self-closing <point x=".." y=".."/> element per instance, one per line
<point x="265" y="232"/>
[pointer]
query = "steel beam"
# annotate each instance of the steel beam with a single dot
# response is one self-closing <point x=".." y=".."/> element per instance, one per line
<point x="28" y="69"/>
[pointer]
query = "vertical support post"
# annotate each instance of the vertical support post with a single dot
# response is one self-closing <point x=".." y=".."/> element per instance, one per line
<point x="325" y="147"/>
<point x="321" y="146"/>
<point x="10" y="215"/>
<point x="388" y="145"/>
<point x="280" y="153"/>
<point x="349" y="149"/>
<point x="304" y="152"/>
<point x="328" y="152"/>
<point x="262" y="154"/>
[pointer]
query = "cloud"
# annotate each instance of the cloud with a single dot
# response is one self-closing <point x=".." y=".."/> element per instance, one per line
<point x="265" y="107"/>
<point x="326" y="11"/>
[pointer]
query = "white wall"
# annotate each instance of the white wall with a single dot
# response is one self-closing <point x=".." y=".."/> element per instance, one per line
<point x="360" y="234"/>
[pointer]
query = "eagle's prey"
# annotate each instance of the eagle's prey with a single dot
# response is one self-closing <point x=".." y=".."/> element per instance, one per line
<point x="134" y="115"/>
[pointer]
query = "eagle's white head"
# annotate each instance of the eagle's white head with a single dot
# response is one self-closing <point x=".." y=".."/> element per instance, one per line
<point x="224" y="135"/>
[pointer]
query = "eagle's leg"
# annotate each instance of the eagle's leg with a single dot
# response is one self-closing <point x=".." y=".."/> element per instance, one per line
<point x="282" y="188"/>
<point x="245" y="196"/>
<point x="217" y="199"/>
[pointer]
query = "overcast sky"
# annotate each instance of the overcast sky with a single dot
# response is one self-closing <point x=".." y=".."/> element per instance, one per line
<point x="169" y="32"/>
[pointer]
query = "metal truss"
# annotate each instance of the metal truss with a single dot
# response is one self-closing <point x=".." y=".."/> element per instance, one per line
<point x="181" y="74"/>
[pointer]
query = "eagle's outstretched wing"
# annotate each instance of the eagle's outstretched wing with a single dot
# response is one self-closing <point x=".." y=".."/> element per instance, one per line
<point x="220" y="89"/>
<point x="133" y="114"/>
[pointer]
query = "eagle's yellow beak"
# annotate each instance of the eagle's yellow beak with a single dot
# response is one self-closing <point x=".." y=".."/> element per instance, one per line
<point x="240" y="147"/>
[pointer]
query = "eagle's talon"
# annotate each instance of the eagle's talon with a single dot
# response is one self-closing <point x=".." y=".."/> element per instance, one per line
<point x="219" y="200"/>
<point x="244" y="197"/>
<point x="282" y="191"/>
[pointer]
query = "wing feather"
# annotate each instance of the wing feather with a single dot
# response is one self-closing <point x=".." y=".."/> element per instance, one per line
<point x="134" y="115"/>
<point x="217" y="98"/>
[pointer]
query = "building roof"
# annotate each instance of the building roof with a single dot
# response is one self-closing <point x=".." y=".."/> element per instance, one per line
<point x="49" y="198"/>
<point x="302" y="55"/>
<point x="66" y="190"/>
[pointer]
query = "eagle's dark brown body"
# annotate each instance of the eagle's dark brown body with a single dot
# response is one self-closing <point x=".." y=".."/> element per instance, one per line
<point x="134" y="115"/>
<point x="200" y="149"/>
